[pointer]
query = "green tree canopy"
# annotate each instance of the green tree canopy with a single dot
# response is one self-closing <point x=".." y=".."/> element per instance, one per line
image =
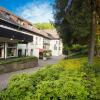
<point x="77" y="21"/>
<point x="73" y="24"/>
<point x="42" y="26"/>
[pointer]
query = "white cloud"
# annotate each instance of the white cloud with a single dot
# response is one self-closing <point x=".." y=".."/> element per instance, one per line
<point x="36" y="13"/>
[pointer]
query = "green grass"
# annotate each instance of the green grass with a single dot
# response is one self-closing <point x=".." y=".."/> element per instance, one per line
<point x="73" y="63"/>
<point x="78" y="61"/>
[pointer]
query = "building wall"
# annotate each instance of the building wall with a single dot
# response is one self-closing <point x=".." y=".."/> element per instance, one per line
<point x="39" y="42"/>
<point x="46" y="44"/>
<point x="56" y="47"/>
<point x="32" y="48"/>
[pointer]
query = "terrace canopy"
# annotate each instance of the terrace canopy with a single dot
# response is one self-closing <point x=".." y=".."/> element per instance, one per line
<point x="15" y="35"/>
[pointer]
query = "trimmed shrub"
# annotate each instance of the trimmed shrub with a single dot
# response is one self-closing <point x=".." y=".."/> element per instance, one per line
<point x="23" y="59"/>
<point x="55" y="82"/>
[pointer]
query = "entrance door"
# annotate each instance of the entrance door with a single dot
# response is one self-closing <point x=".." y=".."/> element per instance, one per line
<point x="19" y="52"/>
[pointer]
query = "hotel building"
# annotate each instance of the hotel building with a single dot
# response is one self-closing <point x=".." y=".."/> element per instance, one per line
<point x="18" y="37"/>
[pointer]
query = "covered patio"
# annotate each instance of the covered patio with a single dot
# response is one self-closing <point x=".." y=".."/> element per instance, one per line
<point x="9" y="38"/>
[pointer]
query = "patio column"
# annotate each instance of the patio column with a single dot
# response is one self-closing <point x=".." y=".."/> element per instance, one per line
<point x="17" y="49"/>
<point x="5" y="50"/>
<point x="26" y="49"/>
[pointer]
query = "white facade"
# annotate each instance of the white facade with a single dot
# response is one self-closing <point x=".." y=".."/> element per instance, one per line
<point x="40" y="43"/>
<point x="32" y="48"/>
<point x="56" y="47"/>
<point x="16" y="31"/>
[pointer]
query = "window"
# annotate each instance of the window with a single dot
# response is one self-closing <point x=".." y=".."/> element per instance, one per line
<point x="59" y="42"/>
<point x="30" y="26"/>
<point x="40" y="39"/>
<point x="36" y="40"/>
<point x="7" y="15"/>
<point x="44" y="46"/>
<point x="20" y="21"/>
<point x="31" y="52"/>
<point x="55" y="47"/>
<point x="43" y="40"/>
<point x="11" y="50"/>
<point x="56" y="42"/>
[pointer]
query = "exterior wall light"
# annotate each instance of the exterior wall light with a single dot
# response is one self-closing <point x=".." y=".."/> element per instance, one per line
<point x="11" y="39"/>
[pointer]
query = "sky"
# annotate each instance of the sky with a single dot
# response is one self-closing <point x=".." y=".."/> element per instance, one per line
<point x="36" y="11"/>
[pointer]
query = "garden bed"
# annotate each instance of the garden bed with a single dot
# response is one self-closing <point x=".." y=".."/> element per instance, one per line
<point x="16" y="64"/>
<point x="70" y="79"/>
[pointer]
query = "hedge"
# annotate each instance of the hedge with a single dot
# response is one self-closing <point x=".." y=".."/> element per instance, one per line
<point x="54" y="82"/>
<point x="24" y="59"/>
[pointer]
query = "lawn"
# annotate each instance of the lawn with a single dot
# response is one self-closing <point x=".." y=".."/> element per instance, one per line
<point x="78" y="61"/>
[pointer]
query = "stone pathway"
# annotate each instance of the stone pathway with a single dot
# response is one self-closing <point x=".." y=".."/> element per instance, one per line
<point x="6" y="76"/>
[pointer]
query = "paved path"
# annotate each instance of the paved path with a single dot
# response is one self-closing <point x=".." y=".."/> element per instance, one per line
<point x="5" y="77"/>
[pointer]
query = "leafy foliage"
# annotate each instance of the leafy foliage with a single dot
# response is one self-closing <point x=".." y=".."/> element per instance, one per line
<point x="42" y="26"/>
<point x="73" y="23"/>
<point x="21" y="59"/>
<point x="73" y="64"/>
<point x="61" y="81"/>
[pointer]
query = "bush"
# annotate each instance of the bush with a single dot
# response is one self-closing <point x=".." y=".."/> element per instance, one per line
<point x="55" y="82"/>
<point x="73" y="64"/>
<point x="77" y="47"/>
<point x="21" y="59"/>
<point x="47" y="53"/>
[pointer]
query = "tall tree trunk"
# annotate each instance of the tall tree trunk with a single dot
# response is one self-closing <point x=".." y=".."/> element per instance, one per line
<point x="96" y="46"/>
<point x="92" y="39"/>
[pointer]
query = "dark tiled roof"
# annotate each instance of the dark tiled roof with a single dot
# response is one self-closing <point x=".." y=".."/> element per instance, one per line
<point x="52" y="33"/>
<point x="5" y="10"/>
<point x="8" y="20"/>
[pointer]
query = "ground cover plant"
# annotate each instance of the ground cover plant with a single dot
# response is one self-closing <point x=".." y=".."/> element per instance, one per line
<point x="61" y="81"/>
<point x="23" y="59"/>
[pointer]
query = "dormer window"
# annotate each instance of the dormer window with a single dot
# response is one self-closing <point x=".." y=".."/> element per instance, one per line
<point x="7" y="15"/>
<point x="30" y="26"/>
<point x="56" y="42"/>
<point x="19" y="21"/>
<point x="22" y="23"/>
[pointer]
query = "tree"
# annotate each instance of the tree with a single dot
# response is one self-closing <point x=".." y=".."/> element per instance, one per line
<point x="61" y="23"/>
<point x="42" y="26"/>
<point x="81" y="17"/>
<point x="95" y="10"/>
<point x="70" y="23"/>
